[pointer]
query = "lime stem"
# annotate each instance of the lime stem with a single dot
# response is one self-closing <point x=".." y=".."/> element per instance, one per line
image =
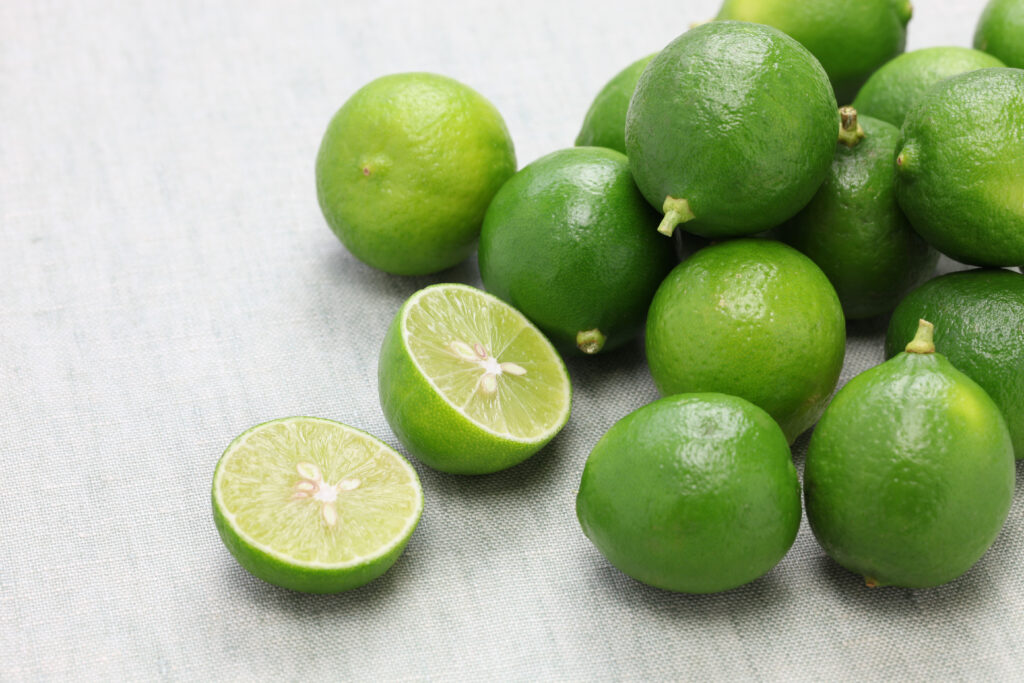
<point x="676" y="211"/>
<point x="850" y="131"/>
<point x="907" y="12"/>
<point x="590" y="341"/>
<point x="923" y="340"/>
<point x="871" y="582"/>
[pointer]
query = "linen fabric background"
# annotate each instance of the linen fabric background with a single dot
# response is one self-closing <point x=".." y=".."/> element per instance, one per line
<point x="168" y="281"/>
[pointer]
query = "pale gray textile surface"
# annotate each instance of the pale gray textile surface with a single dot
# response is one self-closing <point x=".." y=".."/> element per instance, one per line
<point x="168" y="281"/>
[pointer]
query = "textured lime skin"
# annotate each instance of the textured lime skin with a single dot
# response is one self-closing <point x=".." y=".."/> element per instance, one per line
<point x="979" y="326"/>
<point x="739" y="120"/>
<point x="851" y="38"/>
<point x="893" y="90"/>
<point x="429" y="427"/>
<point x="576" y="216"/>
<point x="752" y="318"/>
<point x="407" y="168"/>
<point x="274" y="570"/>
<point x="961" y="167"/>
<point x="909" y="474"/>
<point x="605" y="122"/>
<point x="1001" y="31"/>
<point x="855" y="231"/>
<point x="693" y="493"/>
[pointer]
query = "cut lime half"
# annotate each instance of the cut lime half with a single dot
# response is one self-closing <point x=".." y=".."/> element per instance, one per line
<point x="468" y="384"/>
<point x="314" y="505"/>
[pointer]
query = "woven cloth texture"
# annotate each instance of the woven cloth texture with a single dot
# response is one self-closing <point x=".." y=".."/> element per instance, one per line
<point x="168" y="281"/>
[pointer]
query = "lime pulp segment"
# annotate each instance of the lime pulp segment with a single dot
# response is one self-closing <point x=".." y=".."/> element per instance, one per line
<point x="317" y="493"/>
<point x="488" y="362"/>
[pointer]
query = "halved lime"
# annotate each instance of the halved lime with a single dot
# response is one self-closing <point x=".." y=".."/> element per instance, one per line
<point x="468" y="384"/>
<point x="314" y="505"/>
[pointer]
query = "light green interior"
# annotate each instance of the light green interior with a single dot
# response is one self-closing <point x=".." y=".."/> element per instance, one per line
<point x="257" y="481"/>
<point x="526" y="406"/>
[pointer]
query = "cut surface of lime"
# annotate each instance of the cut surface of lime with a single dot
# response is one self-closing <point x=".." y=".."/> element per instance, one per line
<point x="456" y="336"/>
<point x="468" y="383"/>
<point x="314" y="505"/>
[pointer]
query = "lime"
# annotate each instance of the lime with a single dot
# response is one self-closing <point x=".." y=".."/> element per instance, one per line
<point x="407" y="168"/>
<point x="605" y="122"/>
<point x="314" y="505"/>
<point x="979" y="327"/>
<point x="752" y="318"/>
<point x="731" y="129"/>
<point x="854" y="229"/>
<point x="1001" y="31"/>
<point x="468" y="384"/>
<point x="961" y="168"/>
<point x="576" y="216"/>
<point x="892" y="91"/>
<point x="910" y="473"/>
<point x="694" y="493"/>
<point x="850" y="39"/>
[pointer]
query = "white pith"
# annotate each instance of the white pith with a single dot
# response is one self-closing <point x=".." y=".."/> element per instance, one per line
<point x="313" y="486"/>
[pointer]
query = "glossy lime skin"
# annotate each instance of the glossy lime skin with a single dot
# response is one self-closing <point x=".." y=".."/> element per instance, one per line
<point x="605" y="122"/>
<point x="407" y="168"/>
<point x="961" y="168"/>
<point x="979" y="326"/>
<point x="850" y="39"/>
<point x="893" y="90"/>
<point x="575" y="217"/>
<point x="739" y="120"/>
<point x="909" y="474"/>
<point x="752" y="318"/>
<point x="855" y="230"/>
<point x="693" y="493"/>
<point x="1001" y="31"/>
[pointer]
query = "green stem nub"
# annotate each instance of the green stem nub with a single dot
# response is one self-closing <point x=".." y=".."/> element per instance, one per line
<point x="906" y="12"/>
<point x="923" y="340"/>
<point x="850" y="131"/>
<point x="676" y="211"/>
<point x="590" y="341"/>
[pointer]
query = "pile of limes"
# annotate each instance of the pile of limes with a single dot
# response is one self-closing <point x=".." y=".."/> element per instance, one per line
<point x="792" y="215"/>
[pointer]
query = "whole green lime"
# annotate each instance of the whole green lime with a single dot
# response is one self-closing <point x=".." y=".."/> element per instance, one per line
<point x="854" y="228"/>
<point x="694" y="493"/>
<point x="575" y="217"/>
<point x="961" y="168"/>
<point x="979" y="327"/>
<point x="1001" y="31"/>
<point x="893" y="90"/>
<point x="850" y="39"/>
<point x="605" y="122"/>
<point x="731" y="129"/>
<point x="407" y="168"/>
<point x="910" y="473"/>
<point x="753" y="318"/>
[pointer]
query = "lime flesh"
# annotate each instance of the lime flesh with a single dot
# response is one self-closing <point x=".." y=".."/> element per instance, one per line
<point x="468" y="383"/>
<point x="314" y="505"/>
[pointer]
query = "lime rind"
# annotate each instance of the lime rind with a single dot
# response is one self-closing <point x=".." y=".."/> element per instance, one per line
<point x="363" y="534"/>
<point x="438" y="319"/>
